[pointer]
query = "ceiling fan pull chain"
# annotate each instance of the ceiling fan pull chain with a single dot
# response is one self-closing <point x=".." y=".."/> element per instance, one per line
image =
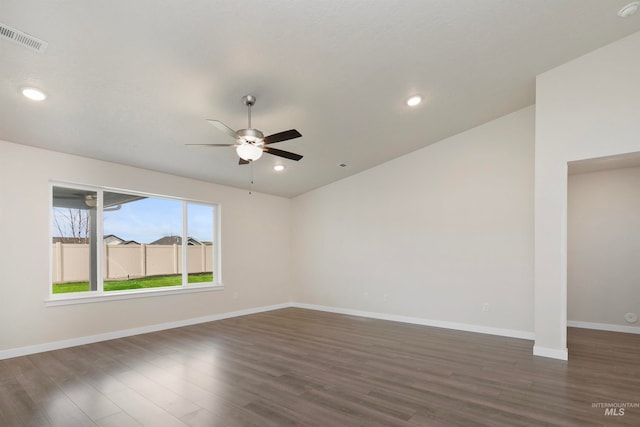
<point x="251" y="184"/>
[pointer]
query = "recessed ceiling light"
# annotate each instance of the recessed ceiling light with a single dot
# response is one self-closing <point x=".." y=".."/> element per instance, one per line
<point x="278" y="168"/>
<point x="414" y="101"/>
<point x="34" y="94"/>
<point x="629" y="9"/>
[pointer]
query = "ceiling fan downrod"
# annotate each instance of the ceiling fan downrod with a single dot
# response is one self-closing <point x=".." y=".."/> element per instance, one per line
<point x="249" y="101"/>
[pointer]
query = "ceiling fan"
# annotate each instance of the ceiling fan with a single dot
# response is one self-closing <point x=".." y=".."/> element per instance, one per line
<point x="251" y="143"/>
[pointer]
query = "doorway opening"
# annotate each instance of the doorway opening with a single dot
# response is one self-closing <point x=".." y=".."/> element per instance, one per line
<point x="603" y="246"/>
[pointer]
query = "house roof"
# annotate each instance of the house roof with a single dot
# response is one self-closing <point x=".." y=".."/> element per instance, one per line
<point x="85" y="240"/>
<point x="176" y="240"/>
<point x="70" y="240"/>
<point x="130" y="86"/>
<point x="121" y="241"/>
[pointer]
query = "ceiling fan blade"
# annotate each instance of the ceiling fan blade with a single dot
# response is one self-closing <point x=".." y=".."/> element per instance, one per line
<point x="282" y="136"/>
<point x="224" y="128"/>
<point x="243" y="162"/>
<point x="282" y="153"/>
<point x="212" y="145"/>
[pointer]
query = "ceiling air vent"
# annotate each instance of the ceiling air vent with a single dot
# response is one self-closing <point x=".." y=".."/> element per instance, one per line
<point x="23" y="39"/>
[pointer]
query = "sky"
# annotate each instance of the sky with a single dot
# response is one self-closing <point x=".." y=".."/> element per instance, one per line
<point x="149" y="219"/>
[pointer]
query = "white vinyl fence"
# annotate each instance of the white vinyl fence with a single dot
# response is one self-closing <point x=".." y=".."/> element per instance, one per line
<point x="70" y="262"/>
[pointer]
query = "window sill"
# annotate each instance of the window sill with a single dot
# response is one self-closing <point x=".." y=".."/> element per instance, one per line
<point x="91" y="297"/>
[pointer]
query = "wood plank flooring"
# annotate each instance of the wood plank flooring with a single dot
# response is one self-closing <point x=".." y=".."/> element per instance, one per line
<point x="302" y="367"/>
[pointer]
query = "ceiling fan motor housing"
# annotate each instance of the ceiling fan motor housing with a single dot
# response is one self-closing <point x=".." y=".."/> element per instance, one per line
<point x="251" y="135"/>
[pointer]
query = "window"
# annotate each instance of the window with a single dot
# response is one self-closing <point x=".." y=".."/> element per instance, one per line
<point x="112" y="242"/>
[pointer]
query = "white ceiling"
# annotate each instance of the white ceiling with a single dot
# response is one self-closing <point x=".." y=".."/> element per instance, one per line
<point x="132" y="81"/>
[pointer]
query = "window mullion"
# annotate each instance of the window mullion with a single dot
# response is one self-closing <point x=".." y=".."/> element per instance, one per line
<point x="216" y="251"/>
<point x="185" y="245"/>
<point x="100" y="233"/>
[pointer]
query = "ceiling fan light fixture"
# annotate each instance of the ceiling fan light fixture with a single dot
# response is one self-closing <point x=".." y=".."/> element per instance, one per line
<point x="91" y="200"/>
<point x="249" y="152"/>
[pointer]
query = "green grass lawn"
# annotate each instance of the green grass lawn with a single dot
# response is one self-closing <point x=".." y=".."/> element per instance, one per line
<point x="141" y="283"/>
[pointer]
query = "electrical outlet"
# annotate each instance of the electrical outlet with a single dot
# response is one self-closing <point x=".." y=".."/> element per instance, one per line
<point x="485" y="307"/>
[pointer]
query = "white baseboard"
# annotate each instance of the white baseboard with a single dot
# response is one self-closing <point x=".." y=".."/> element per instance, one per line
<point x="512" y="333"/>
<point x="553" y="353"/>
<point x="56" y="345"/>
<point x="604" y="327"/>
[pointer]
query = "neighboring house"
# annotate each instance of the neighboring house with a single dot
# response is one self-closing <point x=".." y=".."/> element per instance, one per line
<point x="112" y="239"/>
<point x="177" y="240"/>
<point x="71" y="240"/>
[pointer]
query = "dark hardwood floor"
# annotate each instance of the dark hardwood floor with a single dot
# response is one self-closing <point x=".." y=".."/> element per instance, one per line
<point x="302" y="367"/>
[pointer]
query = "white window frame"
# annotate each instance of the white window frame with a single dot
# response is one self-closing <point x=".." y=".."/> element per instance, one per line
<point x="100" y="294"/>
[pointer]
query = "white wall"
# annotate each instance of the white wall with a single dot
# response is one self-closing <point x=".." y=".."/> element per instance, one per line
<point x="434" y="234"/>
<point x="603" y="280"/>
<point x="24" y="220"/>
<point x="586" y="108"/>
